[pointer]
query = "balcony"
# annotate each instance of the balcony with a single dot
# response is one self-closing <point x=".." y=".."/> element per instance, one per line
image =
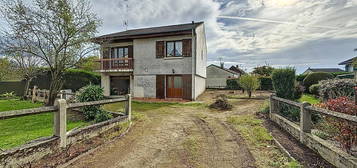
<point x="116" y="65"/>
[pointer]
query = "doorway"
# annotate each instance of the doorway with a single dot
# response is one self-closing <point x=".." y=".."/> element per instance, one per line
<point x="174" y="87"/>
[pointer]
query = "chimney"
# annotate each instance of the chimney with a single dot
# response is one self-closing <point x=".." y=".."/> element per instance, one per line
<point x="222" y="65"/>
<point x="237" y="66"/>
<point x="193" y="22"/>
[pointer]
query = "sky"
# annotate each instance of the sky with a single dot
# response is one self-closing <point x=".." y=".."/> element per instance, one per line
<point x="250" y="33"/>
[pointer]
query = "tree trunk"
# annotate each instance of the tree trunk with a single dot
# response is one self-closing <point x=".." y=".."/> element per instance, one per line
<point x="27" y="87"/>
<point x="55" y="87"/>
<point x="249" y="93"/>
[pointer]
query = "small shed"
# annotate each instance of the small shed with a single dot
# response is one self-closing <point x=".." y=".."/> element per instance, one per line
<point x="217" y="76"/>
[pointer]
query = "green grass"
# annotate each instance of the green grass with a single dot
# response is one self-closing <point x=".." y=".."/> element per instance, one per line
<point x="16" y="104"/>
<point x="20" y="130"/>
<point x="309" y="98"/>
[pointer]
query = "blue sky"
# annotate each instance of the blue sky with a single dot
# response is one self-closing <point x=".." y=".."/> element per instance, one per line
<point x="295" y="33"/>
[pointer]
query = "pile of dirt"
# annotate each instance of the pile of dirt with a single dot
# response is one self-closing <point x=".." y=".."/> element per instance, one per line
<point x="221" y="103"/>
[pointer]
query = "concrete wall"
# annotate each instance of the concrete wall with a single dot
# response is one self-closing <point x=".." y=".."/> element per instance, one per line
<point x="200" y="86"/>
<point x="144" y="86"/>
<point x="217" y="77"/>
<point x="105" y="83"/>
<point x="201" y="51"/>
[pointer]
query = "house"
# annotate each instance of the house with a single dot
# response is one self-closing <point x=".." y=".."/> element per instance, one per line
<point x="156" y="62"/>
<point x="328" y="70"/>
<point x="237" y="69"/>
<point x="348" y="65"/>
<point x="217" y="76"/>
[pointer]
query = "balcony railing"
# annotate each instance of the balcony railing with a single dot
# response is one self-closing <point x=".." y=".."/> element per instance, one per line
<point x="117" y="64"/>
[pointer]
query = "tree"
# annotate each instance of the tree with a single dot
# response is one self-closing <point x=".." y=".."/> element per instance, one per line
<point x="27" y="66"/>
<point x="88" y="63"/>
<point x="263" y="70"/>
<point x="56" y="31"/>
<point x="249" y="83"/>
<point x="5" y="67"/>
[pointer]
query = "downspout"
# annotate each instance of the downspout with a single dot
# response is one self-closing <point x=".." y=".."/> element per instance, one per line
<point x="194" y="63"/>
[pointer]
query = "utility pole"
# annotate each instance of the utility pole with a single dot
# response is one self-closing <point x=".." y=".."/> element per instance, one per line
<point x="126" y="22"/>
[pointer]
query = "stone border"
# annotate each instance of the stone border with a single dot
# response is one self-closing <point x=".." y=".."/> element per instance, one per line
<point x="39" y="148"/>
<point x="328" y="151"/>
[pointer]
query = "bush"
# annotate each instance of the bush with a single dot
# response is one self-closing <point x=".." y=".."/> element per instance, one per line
<point x="249" y="83"/>
<point x="315" y="77"/>
<point x="221" y="103"/>
<point x="298" y="91"/>
<point x="314" y="89"/>
<point x="334" y="88"/>
<point x="92" y="93"/>
<point x="284" y="82"/>
<point x="265" y="83"/>
<point x="233" y="84"/>
<point x="346" y="131"/>
<point x="301" y="77"/>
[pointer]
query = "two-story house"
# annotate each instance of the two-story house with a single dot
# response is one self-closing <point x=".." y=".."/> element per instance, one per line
<point x="157" y="62"/>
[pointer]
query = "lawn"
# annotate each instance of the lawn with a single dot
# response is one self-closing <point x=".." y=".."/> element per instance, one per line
<point x="20" y="130"/>
<point x="309" y="98"/>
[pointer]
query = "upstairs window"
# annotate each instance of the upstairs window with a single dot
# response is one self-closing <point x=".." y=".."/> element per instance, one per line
<point x="119" y="52"/>
<point x="174" y="49"/>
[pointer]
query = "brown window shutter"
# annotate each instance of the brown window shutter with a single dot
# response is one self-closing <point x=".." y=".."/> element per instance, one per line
<point x="160" y="86"/>
<point x="130" y="51"/>
<point x="187" y="86"/>
<point x="187" y="47"/>
<point x="160" y="49"/>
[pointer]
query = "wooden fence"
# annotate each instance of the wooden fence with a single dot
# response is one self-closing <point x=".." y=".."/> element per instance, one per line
<point x="302" y="130"/>
<point x="60" y="113"/>
<point x="42" y="95"/>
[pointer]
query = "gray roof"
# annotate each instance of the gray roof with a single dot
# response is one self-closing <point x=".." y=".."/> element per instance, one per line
<point x="329" y="70"/>
<point x="349" y="61"/>
<point x="152" y="30"/>
<point x="228" y="70"/>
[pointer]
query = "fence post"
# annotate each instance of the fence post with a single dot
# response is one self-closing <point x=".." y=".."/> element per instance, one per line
<point x="128" y="106"/>
<point x="305" y="121"/>
<point x="34" y="90"/>
<point x="60" y="122"/>
<point x="272" y="105"/>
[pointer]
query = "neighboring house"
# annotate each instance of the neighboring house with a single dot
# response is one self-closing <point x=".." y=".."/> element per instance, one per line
<point x="217" y="76"/>
<point x="157" y="62"/>
<point x="328" y="70"/>
<point x="348" y="65"/>
<point x="237" y="69"/>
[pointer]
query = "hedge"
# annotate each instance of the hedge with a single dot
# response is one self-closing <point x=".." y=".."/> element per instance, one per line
<point x="233" y="84"/>
<point x="12" y="86"/>
<point x="315" y="77"/>
<point x="266" y="83"/>
<point x="74" y="79"/>
<point x="284" y="83"/>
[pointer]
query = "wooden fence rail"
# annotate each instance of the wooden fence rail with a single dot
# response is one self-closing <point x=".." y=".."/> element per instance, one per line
<point x="60" y="113"/>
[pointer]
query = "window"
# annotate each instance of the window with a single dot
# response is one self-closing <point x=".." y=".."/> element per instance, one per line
<point x="174" y="49"/>
<point x="119" y="52"/>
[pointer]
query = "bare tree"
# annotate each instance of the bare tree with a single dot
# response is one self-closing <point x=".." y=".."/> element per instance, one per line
<point x="28" y="67"/>
<point x="56" y="31"/>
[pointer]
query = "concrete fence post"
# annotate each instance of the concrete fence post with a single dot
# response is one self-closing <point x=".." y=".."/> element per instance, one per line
<point x="272" y="105"/>
<point x="305" y="121"/>
<point x="60" y="122"/>
<point x="34" y="90"/>
<point x="128" y="106"/>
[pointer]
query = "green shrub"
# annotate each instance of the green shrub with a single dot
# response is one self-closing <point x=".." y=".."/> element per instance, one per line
<point x="92" y="93"/>
<point x="290" y="112"/>
<point x="314" y="89"/>
<point x="249" y="83"/>
<point x="334" y="88"/>
<point x="284" y="82"/>
<point x="233" y="84"/>
<point x="301" y="77"/>
<point x="266" y="83"/>
<point x="315" y="77"/>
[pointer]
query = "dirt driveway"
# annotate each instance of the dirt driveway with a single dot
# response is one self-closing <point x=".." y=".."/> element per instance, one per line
<point x="180" y="136"/>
